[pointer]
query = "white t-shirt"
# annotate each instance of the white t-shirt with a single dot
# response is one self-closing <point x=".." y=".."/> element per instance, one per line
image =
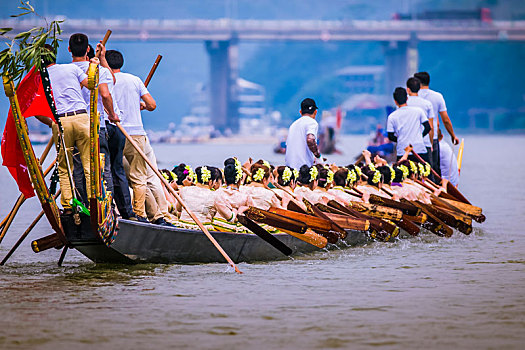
<point x="438" y="105"/>
<point x="104" y="77"/>
<point x="406" y="122"/>
<point x="297" y="151"/>
<point x="127" y="92"/>
<point x="448" y="163"/>
<point x="426" y="106"/>
<point x="65" y="82"/>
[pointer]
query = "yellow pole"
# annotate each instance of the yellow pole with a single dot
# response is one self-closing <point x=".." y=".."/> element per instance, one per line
<point x="460" y="154"/>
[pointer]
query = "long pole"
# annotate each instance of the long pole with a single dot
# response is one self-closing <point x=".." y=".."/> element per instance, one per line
<point x="152" y="70"/>
<point x="25" y="234"/>
<point x="176" y="195"/>
<point x="8" y="220"/>
<point x="450" y="188"/>
<point x="167" y="185"/>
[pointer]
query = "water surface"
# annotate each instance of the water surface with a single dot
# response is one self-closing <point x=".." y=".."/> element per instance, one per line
<point x="461" y="292"/>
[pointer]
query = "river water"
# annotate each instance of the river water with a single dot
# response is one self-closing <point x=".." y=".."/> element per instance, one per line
<point x="461" y="292"/>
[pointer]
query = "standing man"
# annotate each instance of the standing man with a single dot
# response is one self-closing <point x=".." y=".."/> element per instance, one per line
<point x="66" y="81"/>
<point x="413" y="86"/>
<point x="439" y="109"/>
<point x="301" y="144"/>
<point x="404" y="126"/>
<point x="132" y="97"/>
<point x="80" y="50"/>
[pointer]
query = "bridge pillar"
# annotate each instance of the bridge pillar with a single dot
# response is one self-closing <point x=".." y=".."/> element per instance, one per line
<point x="401" y="62"/>
<point x="223" y="88"/>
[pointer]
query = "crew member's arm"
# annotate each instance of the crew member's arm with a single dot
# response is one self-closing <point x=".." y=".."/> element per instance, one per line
<point x="448" y="125"/>
<point x="147" y="103"/>
<point x="84" y="82"/>
<point x="392" y="136"/>
<point x="45" y="120"/>
<point x="390" y="129"/>
<point x="366" y="154"/>
<point x="427" y="128"/>
<point x="107" y="101"/>
<point x="442" y="109"/>
<point x="430" y="116"/>
<point x="424" y="121"/>
<point x="312" y="145"/>
<point x="103" y="61"/>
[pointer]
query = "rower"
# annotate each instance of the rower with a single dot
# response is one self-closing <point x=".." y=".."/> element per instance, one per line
<point x="404" y="126"/>
<point x="132" y="97"/>
<point x="439" y="109"/>
<point x="66" y="81"/>
<point x="301" y="144"/>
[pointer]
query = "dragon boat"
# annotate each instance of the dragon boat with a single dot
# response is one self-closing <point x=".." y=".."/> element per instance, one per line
<point x="102" y="237"/>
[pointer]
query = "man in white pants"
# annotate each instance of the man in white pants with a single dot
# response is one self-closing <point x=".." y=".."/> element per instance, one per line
<point x="132" y="97"/>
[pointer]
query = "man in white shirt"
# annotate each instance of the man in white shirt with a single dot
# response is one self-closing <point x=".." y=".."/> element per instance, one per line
<point x="132" y="97"/>
<point x="413" y="86"/>
<point x="404" y="126"/>
<point x="440" y="109"/>
<point x="448" y="162"/>
<point x="301" y="144"/>
<point x="66" y="82"/>
<point x="80" y="52"/>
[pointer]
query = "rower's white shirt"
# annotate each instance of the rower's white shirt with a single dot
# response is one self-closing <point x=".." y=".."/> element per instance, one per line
<point x="65" y="81"/>
<point x="297" y="151"/>
<point x="405" y="123"/>
<point x="438" y="105"/>
<point x="426" y="106"/>
<point x="127" y="92"/>
<point x="448" y="163"/>
<point x="104" y="77"/>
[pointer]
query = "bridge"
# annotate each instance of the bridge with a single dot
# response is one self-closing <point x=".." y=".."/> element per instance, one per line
<point x="221" y="37"/>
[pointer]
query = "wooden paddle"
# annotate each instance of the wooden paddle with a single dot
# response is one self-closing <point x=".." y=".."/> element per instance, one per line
<point x="460" y="155"/>
<point x="104" y="42"/>
<point x="453" y="191"/>
<point x="289" y="225"/>
<point x="178" y="198"/>
<point x="330" y="235"/>
<point x="152" y="70"/>
<point x="379" y="228"/>
<point x="264" y="235"/>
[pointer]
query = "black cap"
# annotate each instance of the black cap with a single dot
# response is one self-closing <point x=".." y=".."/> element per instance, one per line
<point x="308" y="106"/>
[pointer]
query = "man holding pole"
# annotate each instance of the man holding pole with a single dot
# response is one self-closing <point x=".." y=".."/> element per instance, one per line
<point x="66" y="81"/>
<point x="439" y="109"/>
<point x="80" y="49"/>
<point x="132" y="96"/>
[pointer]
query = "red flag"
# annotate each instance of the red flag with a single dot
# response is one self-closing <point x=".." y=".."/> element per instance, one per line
<point x="32" y="101"/>
<point x="339" y="118"/>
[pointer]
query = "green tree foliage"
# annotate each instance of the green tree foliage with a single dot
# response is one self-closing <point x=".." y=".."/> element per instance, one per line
<point x="26" y="49"/>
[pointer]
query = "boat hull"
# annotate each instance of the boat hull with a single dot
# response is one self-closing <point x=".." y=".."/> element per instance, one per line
<point x="138" y="242"/>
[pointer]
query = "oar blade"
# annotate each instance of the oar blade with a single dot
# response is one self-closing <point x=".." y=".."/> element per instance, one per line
<point x="265" y="235"/>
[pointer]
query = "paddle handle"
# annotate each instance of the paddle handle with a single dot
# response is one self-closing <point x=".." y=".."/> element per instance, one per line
<point x="104" y="41"/>
<point x="152" y="70"/>
<point x="425" y="162"/>
<point x="460" y="155"/>
<point x="176" y="195"/>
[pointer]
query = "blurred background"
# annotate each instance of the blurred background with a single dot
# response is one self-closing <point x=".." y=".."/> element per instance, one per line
<point x="243" y="66"/>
